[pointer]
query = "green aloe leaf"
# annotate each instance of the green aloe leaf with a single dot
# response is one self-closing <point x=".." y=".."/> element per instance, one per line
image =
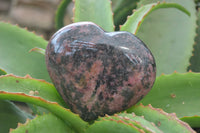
<point x="134" y="21"/>
<point x="47" y="123"/>
<point x="71" y="119"/>
<point x="164" y="121"/>
<point x="116" y="4"/>
<point x="169" y="34"/>
<point x="10" y="115"/>
<point x="2" y="72"/>
<point x="121" y="9"/>
<point x="192" y="120"/>
<point x="60" y="13"/>
<point x="97" y="11"/>
<point x="147" y="119"/>
<point x="140" y="120"/>
<point x="177" y="93"/>
<point x="195" y="59"/>
<point x="112" y="126"/>
<point x="37" y="110"/>
<point x="30" y="86"/>
<point x="15" y="58"/>
<point x="137" y="121"/>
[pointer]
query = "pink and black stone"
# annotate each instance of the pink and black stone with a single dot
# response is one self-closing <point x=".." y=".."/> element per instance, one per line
<point x="97" y="72"/>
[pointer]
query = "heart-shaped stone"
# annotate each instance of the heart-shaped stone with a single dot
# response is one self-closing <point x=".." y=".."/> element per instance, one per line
<point x="99" y="73"/>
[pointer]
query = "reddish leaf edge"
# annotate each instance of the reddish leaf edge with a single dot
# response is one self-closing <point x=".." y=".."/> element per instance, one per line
<point x="58" y="99"/>
<point x="128" y="120"/>
<point x="193" y="121"/>
<point x="71" y="119"/>
<point x="29" y="122"/>
<point x="38" y="50"/>
<point x="26" y="77"/>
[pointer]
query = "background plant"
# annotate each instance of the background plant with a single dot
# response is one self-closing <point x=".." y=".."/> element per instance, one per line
<point x="169" y="30"/>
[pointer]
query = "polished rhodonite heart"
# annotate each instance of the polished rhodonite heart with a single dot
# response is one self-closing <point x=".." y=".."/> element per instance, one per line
<point x="97" y="72"/>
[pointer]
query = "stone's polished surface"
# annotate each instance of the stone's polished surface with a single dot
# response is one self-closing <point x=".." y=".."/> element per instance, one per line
<point x="97" y="72"/>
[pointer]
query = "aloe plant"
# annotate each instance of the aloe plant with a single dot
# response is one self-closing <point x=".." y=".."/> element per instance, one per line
<point x="170" y="30"/>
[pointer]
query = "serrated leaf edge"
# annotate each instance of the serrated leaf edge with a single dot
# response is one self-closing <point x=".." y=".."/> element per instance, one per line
<point x="23" y="28"/>
<point x="147" y="13"/>
<point x="55" y="108"/>
<point x="120" y="121"/>
<point x="26" y="77"/>
<point x="175" y="73"/>
<point x="195" y="43"/>
<point x="21" y="124"/>
<point x="171" y="115"/>
<point x="124" y="118"/>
